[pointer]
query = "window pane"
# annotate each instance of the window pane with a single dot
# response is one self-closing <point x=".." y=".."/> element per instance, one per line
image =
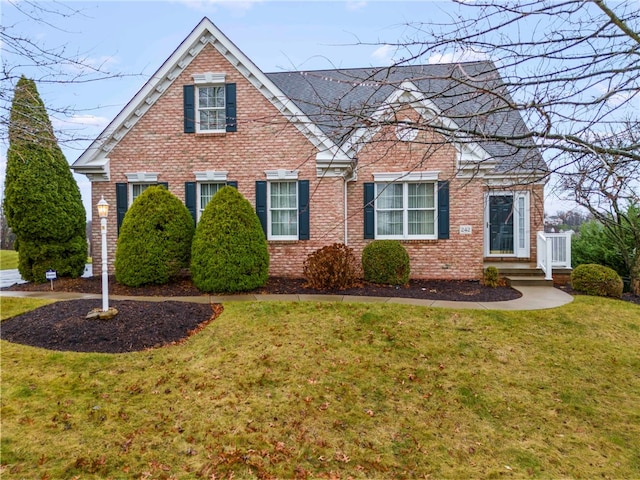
<point x="283" y="195"/>
<point x="211" y="97"/>
<point x="421" y="195"/>
<point x="389" y="223"/>
<point x="284" y="222"/>
<point x="137" y="189"/>
<point x="389" y="195"/>
<point x="207" y="191"/>
<point x="421" y="222"/>
<point x="212" y="120"/>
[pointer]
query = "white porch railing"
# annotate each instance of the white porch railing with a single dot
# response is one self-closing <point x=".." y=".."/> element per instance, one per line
<point x="554" y="250"/>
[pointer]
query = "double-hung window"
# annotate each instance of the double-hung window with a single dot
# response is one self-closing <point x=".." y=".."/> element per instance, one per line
<point x="282" y="205"/>
<point x="282" y="210"/>
<point x="211" y="108"/>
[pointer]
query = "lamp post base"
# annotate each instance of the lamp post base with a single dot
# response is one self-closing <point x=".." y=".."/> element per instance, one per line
<point x="99" y="314"/>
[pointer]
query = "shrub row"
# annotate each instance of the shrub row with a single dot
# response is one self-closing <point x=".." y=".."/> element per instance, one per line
<point x="226" y="253"/>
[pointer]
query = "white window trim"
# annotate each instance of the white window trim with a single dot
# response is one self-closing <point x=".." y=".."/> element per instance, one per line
<point x="142" y="177"/>
<point x="405" y="208"/>
<point x="211" y="176"/>
<point x="290" y="179"/>
<point x="281" y="174"/>
<point x="139" y="178"/>
<point x="399" y="177"/>
<point x="208" y="78"/>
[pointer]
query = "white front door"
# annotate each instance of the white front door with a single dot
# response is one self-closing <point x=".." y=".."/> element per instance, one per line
<point x="507" y="224"/>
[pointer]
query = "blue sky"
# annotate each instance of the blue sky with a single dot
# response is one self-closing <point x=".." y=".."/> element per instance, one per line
<point x="134" y="38"/>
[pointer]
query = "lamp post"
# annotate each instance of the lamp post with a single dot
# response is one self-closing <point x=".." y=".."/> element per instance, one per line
<point x="103" y="211"/>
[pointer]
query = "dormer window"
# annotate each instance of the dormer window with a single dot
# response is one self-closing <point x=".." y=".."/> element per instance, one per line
<point x="210" y="104"/>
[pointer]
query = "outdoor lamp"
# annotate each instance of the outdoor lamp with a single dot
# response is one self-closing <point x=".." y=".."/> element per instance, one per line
<point x="103" y="210"/>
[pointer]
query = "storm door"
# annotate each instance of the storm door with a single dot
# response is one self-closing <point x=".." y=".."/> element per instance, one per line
<point x="507" y="224"/>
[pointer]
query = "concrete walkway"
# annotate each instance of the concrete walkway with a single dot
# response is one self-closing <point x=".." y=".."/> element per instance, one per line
<point x="533" y="298"/>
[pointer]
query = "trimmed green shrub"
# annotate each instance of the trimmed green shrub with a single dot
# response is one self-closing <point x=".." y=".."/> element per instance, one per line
<point x="386" y="262"/>
<point x="42" y="202"/>
<point x="491" y="277"/>
<point x="154" y="244"/>
<point x="333" y="267"/>
<point x="597" y="280"/>
<point x="229" y="252"/>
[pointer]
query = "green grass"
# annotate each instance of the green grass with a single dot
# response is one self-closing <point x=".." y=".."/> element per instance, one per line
<point x="309" y="390"/>
<point x="8" y="259"/>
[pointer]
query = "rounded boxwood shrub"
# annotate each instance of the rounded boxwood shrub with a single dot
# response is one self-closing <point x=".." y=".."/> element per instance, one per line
<point x="229" y="252"/>
<point x="154" y="244"/>
<point x="386" y="261"/>
<point x="599" y="280"/>
<point x="333" y="267"/>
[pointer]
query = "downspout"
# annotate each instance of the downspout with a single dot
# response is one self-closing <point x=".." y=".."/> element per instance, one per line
<point x="350" y="176"/>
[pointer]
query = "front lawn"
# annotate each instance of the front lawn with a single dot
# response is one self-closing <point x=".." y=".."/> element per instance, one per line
<point x="8" y="259"/>
<point x="337" y="390"/>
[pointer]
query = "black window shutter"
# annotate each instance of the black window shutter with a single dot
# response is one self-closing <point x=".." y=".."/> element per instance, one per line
<point x="443" y="209"/>
<point x="303" y="209"/>
<point x="190" y="200"/>
<point x="121" y="203"/>
<point x="189" y="92"/>
<point x="230" y="107"/>
<point x="369" y="217"/>
<point x="233" y="183"/>
<point x="164" y="184"/>
<point x="261" y="203"/>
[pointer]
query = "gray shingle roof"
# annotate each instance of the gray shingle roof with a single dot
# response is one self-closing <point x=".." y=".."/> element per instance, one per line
<point x="341" y="100"/>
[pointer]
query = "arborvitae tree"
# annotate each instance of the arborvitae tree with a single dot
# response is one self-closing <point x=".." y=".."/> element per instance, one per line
<point x="229" y="252"/>
<point x="42" y="201"/>
<point x="155" y="239"/>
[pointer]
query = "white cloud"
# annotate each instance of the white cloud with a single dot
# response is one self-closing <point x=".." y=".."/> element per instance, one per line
<point x="356" y="4"/>
<point x="613" y="98"/>
<point x="457" y="56"/>
<point x="384" y="54"/>
<point x="89" y="121"/>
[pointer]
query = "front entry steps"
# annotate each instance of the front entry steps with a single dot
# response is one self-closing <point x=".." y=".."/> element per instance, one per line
<point x="521" y="274"/>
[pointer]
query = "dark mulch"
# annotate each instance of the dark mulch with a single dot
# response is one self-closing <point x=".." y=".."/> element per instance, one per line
<point x="137" y="326"/>
<point x="142" y="324"/>
<point x="626" y="297"/>
<point x="456" y="290"/>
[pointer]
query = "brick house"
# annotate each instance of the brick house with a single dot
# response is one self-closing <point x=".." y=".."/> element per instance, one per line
<point x="345" y="155"/>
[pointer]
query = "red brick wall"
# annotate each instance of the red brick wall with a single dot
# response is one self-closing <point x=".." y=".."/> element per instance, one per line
<point x="458" y="257"/>
<point x="266" y="141"/>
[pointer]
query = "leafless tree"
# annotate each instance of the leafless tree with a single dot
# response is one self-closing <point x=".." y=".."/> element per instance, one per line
<point x="608" y="186"/>
<point x="571" y="68"/>
<point x="43" y="63"/>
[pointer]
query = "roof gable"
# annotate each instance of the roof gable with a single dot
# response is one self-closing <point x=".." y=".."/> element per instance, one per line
<point x="94" y="161"/>
<point x="344" y="101"/>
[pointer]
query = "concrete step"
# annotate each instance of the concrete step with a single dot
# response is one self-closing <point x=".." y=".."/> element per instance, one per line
<point x="528" y="281"/>
<point x="520" y="272"/>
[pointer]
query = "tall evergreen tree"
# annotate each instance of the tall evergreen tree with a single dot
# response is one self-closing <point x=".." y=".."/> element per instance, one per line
<point x="42" y="201"/>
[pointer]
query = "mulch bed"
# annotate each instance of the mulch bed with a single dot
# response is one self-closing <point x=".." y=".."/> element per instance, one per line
<point x="137" y="326"/>
<point x="141" y="325"/>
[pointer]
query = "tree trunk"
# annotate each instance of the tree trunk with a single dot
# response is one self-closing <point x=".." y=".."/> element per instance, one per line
<point x="635" y="274"/>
